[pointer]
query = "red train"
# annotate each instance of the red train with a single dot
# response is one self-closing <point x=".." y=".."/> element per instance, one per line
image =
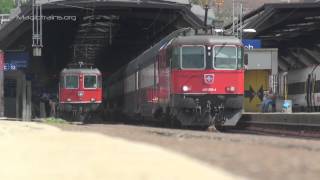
<point x="80" y="90"/>
<point x="190" y="80"/>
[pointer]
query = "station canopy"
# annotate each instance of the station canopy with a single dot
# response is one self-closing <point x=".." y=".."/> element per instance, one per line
<point x="107" y="33"/>
<point x="293" y="28"/>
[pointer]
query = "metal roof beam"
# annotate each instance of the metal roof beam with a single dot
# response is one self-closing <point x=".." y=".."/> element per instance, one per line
<point x="308" y="57"/>
<point x="294" y="62"/>
<point x="283" y="66"/>
<point x="298" y="56"/>
<point x="312" y="54"/>
<point x="291" y="63"/>
<point x="259" y="21"/>
<point x="317" y="46"/>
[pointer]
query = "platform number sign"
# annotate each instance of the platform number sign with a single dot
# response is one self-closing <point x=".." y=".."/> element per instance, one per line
<point x="9" y="67"/>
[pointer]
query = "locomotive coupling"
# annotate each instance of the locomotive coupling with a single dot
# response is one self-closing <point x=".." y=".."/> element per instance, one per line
<point x="198" y="106"/>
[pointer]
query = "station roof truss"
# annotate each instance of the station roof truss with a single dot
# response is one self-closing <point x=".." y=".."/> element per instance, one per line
<point x="293" y="28"/>
<point x="156" y="11"/>
<point x="108" y="33"/>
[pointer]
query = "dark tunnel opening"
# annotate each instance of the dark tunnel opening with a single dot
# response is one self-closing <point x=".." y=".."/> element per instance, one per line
<point x="106" y="34"/>
<point x="130" y="36"/>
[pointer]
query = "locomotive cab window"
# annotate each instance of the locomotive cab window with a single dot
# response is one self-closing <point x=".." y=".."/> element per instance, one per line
<point x="240" y="57"/>
<point x="175" y="60"/>
<point x="90" y="81"/>
<point x="225" y="57"/>
<point x="193" y="57"/>
<point x="99" y="81"/>
<point x="71" y="81"/>
<point x="61" y="81"/>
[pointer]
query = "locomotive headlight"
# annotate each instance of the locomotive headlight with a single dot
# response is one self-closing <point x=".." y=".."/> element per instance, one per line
<point x="80" y="93"/>
<point x="185" y="88"/>
<point x="68" y="99"/>
<point x="93" y="99"/>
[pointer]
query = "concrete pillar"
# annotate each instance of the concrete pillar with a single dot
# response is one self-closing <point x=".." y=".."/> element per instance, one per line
<point x="24" y="99"/>
<point x="27" y="108"/>
<point x="43" y="113"/>
<point x="18" y="96"/>
<point x="26" y="113"/>
<point x="1" y="83"/>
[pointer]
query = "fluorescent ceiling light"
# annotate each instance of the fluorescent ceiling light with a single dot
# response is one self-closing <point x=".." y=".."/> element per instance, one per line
<point x="249" y="30"/>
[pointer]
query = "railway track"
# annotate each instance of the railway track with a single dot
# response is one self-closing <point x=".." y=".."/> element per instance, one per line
<point x="277" y="128"/>
<point x="297" y="125"/>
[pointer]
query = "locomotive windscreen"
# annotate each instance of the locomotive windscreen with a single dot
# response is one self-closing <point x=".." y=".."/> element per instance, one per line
<point x="193" y="57"/>
<point x="90" y="81"/>
<point x="71" y="81"/>
<point x="225" y="57"/>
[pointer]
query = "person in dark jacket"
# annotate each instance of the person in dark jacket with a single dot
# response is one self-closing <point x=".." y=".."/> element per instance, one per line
<point x="268" y="100"/>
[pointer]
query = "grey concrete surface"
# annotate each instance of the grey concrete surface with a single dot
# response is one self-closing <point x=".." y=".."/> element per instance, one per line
<point x="33" y="151"/>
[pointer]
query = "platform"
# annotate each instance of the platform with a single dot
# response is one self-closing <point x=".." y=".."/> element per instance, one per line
<point x="300" y="119"/>
<point x="34" y="151"/>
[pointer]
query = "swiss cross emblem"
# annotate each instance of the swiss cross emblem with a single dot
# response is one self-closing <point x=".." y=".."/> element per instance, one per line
<point x="208" y="78"/>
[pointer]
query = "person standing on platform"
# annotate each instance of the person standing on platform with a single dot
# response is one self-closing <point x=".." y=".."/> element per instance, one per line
<point x="268" y="100"/>
<point x="52" y="104"/>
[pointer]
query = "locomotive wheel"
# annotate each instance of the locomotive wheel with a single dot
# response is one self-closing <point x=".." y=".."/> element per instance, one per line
<point x="216" y="128"/>
<point x="216" y="124"/>
<point x="77" y="116"/>
<point x="171" y="119"/>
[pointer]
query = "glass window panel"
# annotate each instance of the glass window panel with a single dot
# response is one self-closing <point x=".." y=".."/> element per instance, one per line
<point x="99" y="81"/>
<point x="193" y="57"/>
<point x="72" y="82"/>
<point x="61" y="82"/>
<point x="240" y="57"/>
<point x="90" y="81"/>
<point x="175" y="61"/>
<point x="225" y="57"/>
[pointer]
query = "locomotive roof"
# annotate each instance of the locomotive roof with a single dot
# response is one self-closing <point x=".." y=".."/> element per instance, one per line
<point x="206" y="39"/>
<point x="77" y="70"/>
<point x="177" y="38"/>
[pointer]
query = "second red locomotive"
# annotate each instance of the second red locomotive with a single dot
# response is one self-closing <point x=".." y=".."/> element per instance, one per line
<point x="80" y="90"/>
<point x="191" y="80"/>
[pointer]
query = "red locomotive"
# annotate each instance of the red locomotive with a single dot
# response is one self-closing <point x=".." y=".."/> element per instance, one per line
<point x="191" y="80"/>
<point x="80" y="90"/>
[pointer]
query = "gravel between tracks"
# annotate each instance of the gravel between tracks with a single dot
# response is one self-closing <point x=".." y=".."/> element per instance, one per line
<point x="252" y="156"/>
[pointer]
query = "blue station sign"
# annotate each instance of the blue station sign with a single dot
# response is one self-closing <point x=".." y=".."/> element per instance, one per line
<point x="251" y="43"/>
<point x="9" y="67"/>
<point x="16" y="60"/>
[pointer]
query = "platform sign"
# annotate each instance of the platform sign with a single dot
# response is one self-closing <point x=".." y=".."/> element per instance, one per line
<point x="1" y="83"/>
<point x="9" y="67"/>
<point x="17" y="60"/>
<point x="251" y="43"/>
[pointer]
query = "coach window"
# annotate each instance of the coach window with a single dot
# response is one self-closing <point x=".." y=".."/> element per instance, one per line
<point x="90" y="81"/>
<point x="225" y="57"/>
<point x="72" y="81"/>
<point x="192" y="57"/>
